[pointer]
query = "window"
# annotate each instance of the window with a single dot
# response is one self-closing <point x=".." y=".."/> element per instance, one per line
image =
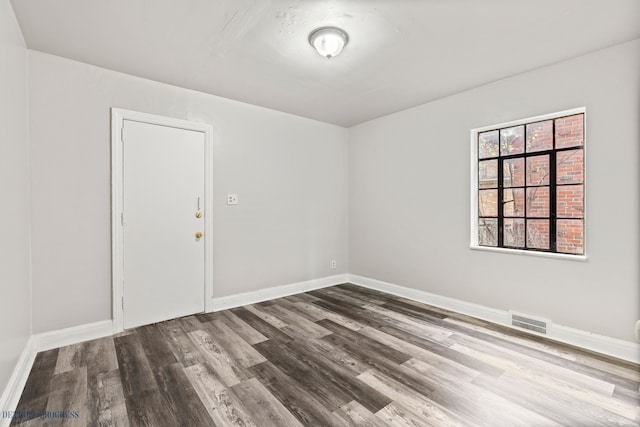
<point x="528" y="183"/>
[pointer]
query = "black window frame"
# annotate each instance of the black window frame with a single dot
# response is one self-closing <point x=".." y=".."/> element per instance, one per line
<point x="552" y="185"/>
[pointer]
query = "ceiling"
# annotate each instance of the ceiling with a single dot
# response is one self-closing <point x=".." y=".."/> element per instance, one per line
<point x="401" y="53"/>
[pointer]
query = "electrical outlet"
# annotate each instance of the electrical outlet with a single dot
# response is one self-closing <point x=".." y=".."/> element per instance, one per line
<point x="232" y="199"/>
<point x="334" y="264"/>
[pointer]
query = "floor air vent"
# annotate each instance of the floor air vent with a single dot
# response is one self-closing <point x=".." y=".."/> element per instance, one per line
<point x="530" y="323"/>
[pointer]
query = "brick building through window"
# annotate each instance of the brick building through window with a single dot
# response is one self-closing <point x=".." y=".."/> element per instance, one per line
<point x="530" y="185"/>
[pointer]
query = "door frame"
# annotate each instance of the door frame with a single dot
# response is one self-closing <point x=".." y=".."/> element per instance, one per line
<point x="118" y="116"/>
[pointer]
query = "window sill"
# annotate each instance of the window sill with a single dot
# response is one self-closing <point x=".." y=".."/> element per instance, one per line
<point x="530" y="253"/>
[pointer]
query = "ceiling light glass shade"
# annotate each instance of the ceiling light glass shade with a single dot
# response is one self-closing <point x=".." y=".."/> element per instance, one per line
<point x="328" y="41"/>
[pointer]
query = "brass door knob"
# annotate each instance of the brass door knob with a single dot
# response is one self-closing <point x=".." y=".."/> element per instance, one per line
<point x="198" y="234"/>
<point x="198" y="214"/>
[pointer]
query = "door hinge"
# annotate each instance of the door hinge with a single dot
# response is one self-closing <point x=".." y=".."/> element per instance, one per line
<point x="122" y="303"/>
<point x="122" y="218"/>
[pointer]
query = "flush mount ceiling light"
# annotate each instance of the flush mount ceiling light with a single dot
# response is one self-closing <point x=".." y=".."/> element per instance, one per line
<point x="328" y="41"/>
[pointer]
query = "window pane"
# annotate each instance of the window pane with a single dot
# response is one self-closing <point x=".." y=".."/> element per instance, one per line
<point x="570" y="236"/>
<point x="538" y="202"/>
<point x="570" y="167"/>
<point x="513" y="202"/>
<point x="488" y="144"/>
<point x="488" y="174"/>
<point x="538" y="233"/>
<point x="540" y="136"/>
<point x="570" y="131"/>
<point x="488" y="231"/>
<point x="538" y="170"/>
<point x="488" y="205"/>
<point x="514" y="232"/>
<point x="513" y="172"/>
<point x="570" y="201"/>
<point x="512" y="140"/>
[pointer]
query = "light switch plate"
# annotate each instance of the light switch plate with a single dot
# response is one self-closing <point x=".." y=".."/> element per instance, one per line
<point x="232" y="199"/>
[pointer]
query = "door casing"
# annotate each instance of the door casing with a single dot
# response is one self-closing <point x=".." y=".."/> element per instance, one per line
<point x="117" y="241"/>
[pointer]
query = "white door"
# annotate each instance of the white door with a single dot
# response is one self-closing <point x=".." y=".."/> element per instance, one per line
<point x="163" y="215"/>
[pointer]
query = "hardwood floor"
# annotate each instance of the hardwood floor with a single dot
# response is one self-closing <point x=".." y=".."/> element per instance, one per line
<point x="340" y="356"/>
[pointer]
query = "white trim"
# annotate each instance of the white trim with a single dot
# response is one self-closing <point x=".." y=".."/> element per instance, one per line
<point x="73" y="335"/>
<point x="613" y="347"/>
<point x="117" y="119"/>
<point x="12" y="392"/>
<point x="245" y="298"/>
<point x="473" y="231"/>
<point x="541" y="118"/>
<point x="42" y="342"/>
<point x="530" y="253"/>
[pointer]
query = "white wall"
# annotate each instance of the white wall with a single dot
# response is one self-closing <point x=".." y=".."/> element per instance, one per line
<point x="289" y="173"/>
<point x="409" y="197"/>
<point x="15" y="294"/>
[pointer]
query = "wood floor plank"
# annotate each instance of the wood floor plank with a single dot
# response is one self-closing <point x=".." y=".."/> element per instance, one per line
<point x="181" y="397"/>
<point x="427" y="411"/>
<point x="263" y="313"/>
<point x="413" y="326"/>
<point x="338" y="356"/>
<point x="305" y="297"/>
<point x="463" y="397"/>
<point x="298" y="308"/>
<point x="106" y="405"/>
<point x="323" y="390"/>
<point x="68" y="398"/>
<point x="265" y="409"/>
<point x="539" y="345"/>
<point x="559" y="408"/>
<point x="379" y="362"/>
<point x="149" y="409"/>
<point x="323" y="313"/>
<point x="29" y="412"/>
<point x="70" y="358"/>
<point x="301" y="403"/>
<point x="366" y="295"/>
<point x="542" y="355"/>
<point x="155" y="346"/>
<point x="366" y="343"/>
<point x="622" y="394"/>
<point x="190" y="324"/>
<point x="442" y="350"/>
<point x="417" y="311"/>
<point x="38" y="382"/>
<point x="259" y="324"/>
<point x="135" y="372"/>
<point x="223" y="364"/>
<point x="234" y="345"/>
<point x="396" y="414"/>
<point x="345" y="297"/>
<point x="100" y="356"/>
<point x="354" y="414"/>
<point x="306" y="328"/>
<point x="335" y="373"/>
<point x="435" y="360"/>
<point x="183" y="348"/>
<point x="224" y="407"/>
<point x="240" y="327"/>
<point x="531" y="367"/>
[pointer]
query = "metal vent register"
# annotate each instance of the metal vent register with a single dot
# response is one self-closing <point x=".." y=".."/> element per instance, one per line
<point x="524" y="322"/>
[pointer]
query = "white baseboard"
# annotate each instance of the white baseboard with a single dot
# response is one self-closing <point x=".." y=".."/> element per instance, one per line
<point x="73" y="335"/>
<point x="42" y="342"/>
<point x="13" y="390"/>
<point x="237" y="300"/>
<point x="613" y="347"/>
